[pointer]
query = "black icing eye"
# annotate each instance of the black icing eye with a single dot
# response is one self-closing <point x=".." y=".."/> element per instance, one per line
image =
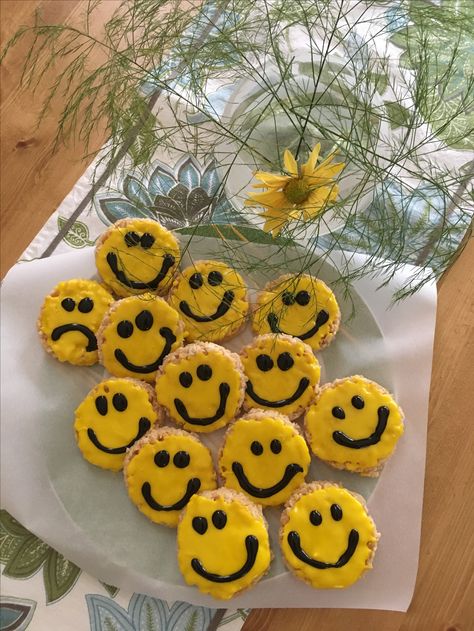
<point x="204" y="372"/>
<point x="285" y="361"/>
<point x="185" y="379"/>
<point x="287" y="298"/>
<point x="264" y="362"/>
<point x="336" y="512"/>
<point x="147" y="240"/>
<point x="85" y="305"/>
<point x="215" y="278"/>
<point x="357" y="402"/>
<point x="144" y="320"/>
<point x="195" y="281"/>
<point x="339" y="413"/>
<point x="256" y="448"/>
<point x="120" y="402"/>
<point x="162" y="458"/>
<point x="181" y="459"/>
<point x="131" y="239"/>
<point x="315" y="517"/>
<point x="219" y="519"/>
<point x="101" y="405"/>
<point x="125" y="328"/>
<point x="275" y="446"/>
<point x="302" y="298"/>
<point x="68" y="304"/>
<point x="200" y="525"/>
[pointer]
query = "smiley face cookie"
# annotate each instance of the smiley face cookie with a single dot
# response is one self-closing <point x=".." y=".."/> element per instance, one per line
<point x="164" y="469"/>
<point x="283" y="374"/>
<point x="136" y="335"/>
<point x="354" y="424"/>
<point x="137" y="255"/>
<point x="223" y="544"/>
<point x="201" y="386"/>
<point x="265" y="457"/>
<point x="298" y="305"/>
<point x="70" y="318"/>
<point x="211" y="297"/>
<point x="112" y="417"/>
<point x="327" y="537"/>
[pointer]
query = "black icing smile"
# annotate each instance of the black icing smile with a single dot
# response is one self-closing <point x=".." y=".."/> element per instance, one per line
<point x="346" y="441"/>
<point x="167" y="264"/>
<point x="251" y="544"/>
<point x="295" y="545"/>
<point x="304" y="383"/>
<point x="290" y="472"/>
<point x="65" y="328"/>
<point x="221" y="310"/>
<point x="224" y="391"/>
<point x="321" y="318"/>
<point x="193" y="486"/>
<point x="169" y="338"/>
<point x="143" y="426"/>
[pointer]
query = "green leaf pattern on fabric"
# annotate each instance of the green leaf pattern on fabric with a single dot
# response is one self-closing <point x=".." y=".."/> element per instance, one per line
<point x="77" y="235"/>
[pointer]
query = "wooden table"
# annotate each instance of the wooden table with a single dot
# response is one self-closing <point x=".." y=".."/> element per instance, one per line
<point x="34" y="181"/>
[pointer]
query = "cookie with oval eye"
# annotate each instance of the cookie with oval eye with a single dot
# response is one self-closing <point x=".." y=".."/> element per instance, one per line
<point x="264" y="456"/>
<point x="136" y="334"/>
<point x="135" y="256"/>
<point x="327" y="536"/>
<point x="283" y="374"/>
<point x="164" y="469"/>
<point x="354" y="424"/>
<point x="223" y="543"/>
<point x="70" y="318"/>
<point x="112" y="417"/>
<point x="299" y="305"/>
<point x="211" y="297"/>
<point x="201" y="386"/>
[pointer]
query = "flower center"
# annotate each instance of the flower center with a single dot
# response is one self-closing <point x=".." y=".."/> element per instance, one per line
<point x="297" y="191"/>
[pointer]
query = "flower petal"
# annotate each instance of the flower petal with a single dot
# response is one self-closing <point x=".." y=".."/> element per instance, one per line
<point x="271" y="180"/>
<point x="291" y="166"/>
<point x="272" y="199"/>
<point x="308" y="167"/>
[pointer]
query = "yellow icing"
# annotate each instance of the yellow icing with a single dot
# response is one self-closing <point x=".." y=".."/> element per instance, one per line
<point x="275" y="384"/>
<point x="202" y="398"/>
<point x="137" y="263"/>
<point x="71" y="346"/>
<point x="169" y="483"/>
<point x="295" y="319"/>
<point x="329" y="540"/>
<point x="221" y="551"/>
<point x="115" y="428"/>
<point x="142" y="348"/>
<point x="268" y="468"/>
<point x="205" y="300"/>
<point x="320" y="423"/>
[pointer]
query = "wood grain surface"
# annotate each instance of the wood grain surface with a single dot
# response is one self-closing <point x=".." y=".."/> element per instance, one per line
<point x="34" y="180"/>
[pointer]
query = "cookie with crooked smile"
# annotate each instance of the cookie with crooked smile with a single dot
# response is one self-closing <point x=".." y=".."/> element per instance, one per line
<point x="223" y="544"/>
<point x="265" y="457"/>
<point x="137" y="255"/>
<point x="283" y="374"/>
<point x="164" y="469"/>
<point x="327" y="537"/>
<point x="354" y="424"/>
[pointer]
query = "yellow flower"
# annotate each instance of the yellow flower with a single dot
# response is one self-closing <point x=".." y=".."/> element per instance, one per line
<point x="303" y="191"/>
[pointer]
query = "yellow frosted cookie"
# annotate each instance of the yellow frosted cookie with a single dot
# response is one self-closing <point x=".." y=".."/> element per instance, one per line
<point x="354" y="424"/>
<point x="112" y="417"/>
<point x="211" y="297"/>
<point x="164" y="469"/>
<point x="264" y="456"/>
<point x="223" y="544"/>
<point x="201" y="386"/>
<point x="136" y="335"/>
<point x="283" y="374"/>
<point x="70" y="318"/>
<point x="298" y="305"/>
<point x="135" y="256"/>
<point x="327" y="537"/>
